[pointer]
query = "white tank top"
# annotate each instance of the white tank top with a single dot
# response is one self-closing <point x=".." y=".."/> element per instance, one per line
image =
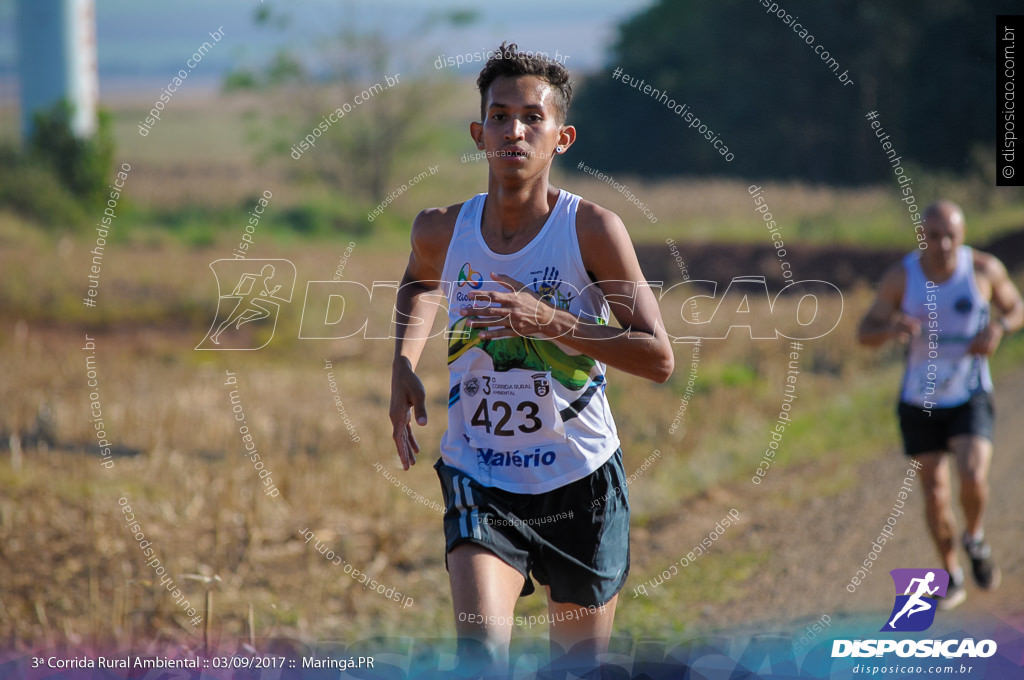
<point x="526" y="415"/>
<point x="940" y="373"/>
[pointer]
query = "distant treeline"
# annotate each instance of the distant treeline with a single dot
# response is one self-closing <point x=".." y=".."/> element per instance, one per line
<point x="756" y="74"/>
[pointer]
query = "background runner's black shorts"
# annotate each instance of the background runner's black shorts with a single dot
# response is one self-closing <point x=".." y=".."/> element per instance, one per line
<point x="924" y="433"/>
<point x="574" y="539"/>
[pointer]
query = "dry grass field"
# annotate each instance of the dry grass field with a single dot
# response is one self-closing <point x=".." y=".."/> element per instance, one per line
<point x="73" y="574"/>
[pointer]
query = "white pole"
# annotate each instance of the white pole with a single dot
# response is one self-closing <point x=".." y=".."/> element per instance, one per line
<point x="57" y="60"/>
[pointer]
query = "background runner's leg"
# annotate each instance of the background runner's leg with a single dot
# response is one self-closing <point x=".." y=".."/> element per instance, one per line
<point x="938" y="494"/>
<point x="484" y="593"/>
<point x="973" y="458"/>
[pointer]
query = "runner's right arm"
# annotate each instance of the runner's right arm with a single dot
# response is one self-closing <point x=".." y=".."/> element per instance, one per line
<point x="414" y="317"/>
<point x="885" y="319"/>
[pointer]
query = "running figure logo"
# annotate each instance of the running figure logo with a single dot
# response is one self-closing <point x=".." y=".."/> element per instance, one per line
<point x="914" y="610"/>
<point x="262" y="285"/>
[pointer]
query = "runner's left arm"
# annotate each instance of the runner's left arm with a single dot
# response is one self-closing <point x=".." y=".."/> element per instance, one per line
<point x="1007" y="300"/>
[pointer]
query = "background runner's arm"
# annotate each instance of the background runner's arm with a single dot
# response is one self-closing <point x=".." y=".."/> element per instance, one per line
<point x="1006" y="299"/>
<point x="885" y="319"/>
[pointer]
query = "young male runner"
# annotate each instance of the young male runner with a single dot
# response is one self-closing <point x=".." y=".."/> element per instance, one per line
<point x="531" y="274"/>
<point x="939" y="299"/>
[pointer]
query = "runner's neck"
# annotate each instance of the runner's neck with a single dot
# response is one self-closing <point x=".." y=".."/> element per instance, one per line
<point x="512" y="217"/>
<point x="941" y="271"/>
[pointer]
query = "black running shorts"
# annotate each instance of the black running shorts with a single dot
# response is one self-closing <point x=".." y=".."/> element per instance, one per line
<point x="927" y="431"/>
<point x="574" y="539"/>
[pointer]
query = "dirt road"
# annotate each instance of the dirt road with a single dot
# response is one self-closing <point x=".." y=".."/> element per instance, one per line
<point x="817" y="542"/>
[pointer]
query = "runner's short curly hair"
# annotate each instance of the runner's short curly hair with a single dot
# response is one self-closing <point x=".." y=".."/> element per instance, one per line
<point x="509" y="62"/>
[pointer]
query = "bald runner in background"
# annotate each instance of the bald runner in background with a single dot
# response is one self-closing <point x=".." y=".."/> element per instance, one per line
<point x="952" y="305"/>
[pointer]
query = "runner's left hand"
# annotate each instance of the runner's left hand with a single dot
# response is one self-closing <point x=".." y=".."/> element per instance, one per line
<point x="986" y="342"/>
<point x="519" y="311"/>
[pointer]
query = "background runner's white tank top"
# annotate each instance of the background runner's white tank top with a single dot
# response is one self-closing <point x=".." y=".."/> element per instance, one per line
<point x="524" y="414"/>
<point x="940" y="373"/>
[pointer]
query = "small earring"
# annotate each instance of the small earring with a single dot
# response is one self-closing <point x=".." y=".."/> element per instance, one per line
<point x="558" y="149"/>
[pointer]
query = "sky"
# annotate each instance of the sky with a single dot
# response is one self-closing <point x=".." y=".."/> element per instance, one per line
<point x="144" y="43"/>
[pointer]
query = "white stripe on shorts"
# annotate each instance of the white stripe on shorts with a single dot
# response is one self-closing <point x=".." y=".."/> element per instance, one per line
<point x="460" y="505"/>
<point x="474" y="516"/>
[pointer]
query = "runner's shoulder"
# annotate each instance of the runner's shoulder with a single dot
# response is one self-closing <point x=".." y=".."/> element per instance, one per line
<point x="988" y="265"/>
<point x="897" y="272"/>
<point x="894" y="280"/>
<point x="598" y="225"/>
<point x="432" y="229"/>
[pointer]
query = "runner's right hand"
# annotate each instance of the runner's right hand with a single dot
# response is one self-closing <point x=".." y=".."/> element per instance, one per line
<point x="904" y="327"/>
<point x="407" y="394"/>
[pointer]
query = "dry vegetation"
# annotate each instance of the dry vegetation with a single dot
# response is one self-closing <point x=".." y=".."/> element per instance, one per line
<point x="71" y="573"/>
<point x="198" y="498"/>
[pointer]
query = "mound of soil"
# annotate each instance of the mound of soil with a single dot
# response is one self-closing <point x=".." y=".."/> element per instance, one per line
<point x="844" y="266"/>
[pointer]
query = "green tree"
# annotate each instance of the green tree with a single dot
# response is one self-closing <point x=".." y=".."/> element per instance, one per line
<point x="359" y="152"/>
<point x="81" y="163"/>
<point x="927" y="68"/>
<point x="59" y="180"/>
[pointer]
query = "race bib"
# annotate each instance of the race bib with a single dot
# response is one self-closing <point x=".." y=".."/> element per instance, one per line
<point x="509" y="410"/>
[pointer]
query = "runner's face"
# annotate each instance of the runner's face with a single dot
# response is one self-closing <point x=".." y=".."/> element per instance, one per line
<point x="521" y="130"/>
<point x="943" y="233"/>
